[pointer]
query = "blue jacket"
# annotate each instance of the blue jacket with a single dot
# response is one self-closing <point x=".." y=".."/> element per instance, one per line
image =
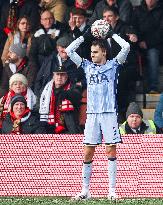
<point x="158" y="115"/>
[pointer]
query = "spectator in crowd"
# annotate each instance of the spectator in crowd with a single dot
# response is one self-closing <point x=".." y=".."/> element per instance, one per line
<point x="14" y="9"/>
<point x="128" y="74"/>
<point x="18" y="63"/>
<point x="53" y="62"/>
<point x="11" y="11"/>
<point x="44" y="40"/>
<point x="18" y="84"/>
<point x="21" y="120"/>
<point x="78" y="26"/>
<point x="59" y="104"/>
<point x="125" y="9"/>
<point x="148" y="21"/>
<point x="57" y="7"/>
<point x="20" y="35"/>
<point x="86" y="5"/>
<point x="158" y="115"/>
<point x="135" y="123"/>
<point x="101" y="105"/>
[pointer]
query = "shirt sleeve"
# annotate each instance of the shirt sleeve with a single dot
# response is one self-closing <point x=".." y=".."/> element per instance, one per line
<point x="125" y="48"/>
<point x="70" y="50"/>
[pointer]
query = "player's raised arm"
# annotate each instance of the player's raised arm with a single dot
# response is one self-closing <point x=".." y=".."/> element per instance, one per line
<point x="125" y="46"/>
<point x="70" y="50"/>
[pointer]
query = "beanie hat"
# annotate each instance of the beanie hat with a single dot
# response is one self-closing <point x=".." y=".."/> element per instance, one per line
<point x="18" y="98"/>
<point x="18" y="49"/>
<point x="134" y="108"/>
<point x="64" y="41"/>
<point x="18" y="77"/>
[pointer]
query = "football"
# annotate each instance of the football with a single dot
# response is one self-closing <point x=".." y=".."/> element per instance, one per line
<point x="100" y="28"/>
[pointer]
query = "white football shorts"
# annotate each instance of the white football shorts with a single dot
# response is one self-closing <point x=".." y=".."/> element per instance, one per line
<point x="101" y="126"/>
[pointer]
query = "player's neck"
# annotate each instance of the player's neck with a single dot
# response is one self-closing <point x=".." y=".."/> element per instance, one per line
<point x="103" y="61"/>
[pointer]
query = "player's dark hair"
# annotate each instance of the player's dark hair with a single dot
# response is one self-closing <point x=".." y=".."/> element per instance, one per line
<point x="112" y="9"/>
<point x="101" y="43"/>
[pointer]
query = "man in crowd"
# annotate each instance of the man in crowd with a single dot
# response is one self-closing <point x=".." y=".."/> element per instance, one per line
<point x="148" y="22"/>
<point x="135" y="124"/>
<point x="18" y="63"/>
<point x="125" y="9"/>
<point x="44" y="40"/>
<point x="78" y="25"/>
<point x="128" y="74"/>
<point x="52" y="63"/>
<point x="21" y="120"/>
<point x="59" y="104"/>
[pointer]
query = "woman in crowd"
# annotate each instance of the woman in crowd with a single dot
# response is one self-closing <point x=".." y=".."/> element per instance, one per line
<point x="18" y="84"/>
<point x="21" y="34"/>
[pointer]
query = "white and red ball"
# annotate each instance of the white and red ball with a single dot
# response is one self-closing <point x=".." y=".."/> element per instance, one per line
<point x="100" y="28"/>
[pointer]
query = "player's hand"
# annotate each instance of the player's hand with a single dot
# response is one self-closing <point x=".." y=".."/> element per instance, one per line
<point x="109" y="34"/>
<point x="87" y="33"/>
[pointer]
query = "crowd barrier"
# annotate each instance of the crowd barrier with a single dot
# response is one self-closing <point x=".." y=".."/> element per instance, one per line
<point x="51" y="165"/>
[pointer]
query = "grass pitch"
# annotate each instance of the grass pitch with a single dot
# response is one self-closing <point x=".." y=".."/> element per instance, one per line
<point x="67" y="201"/>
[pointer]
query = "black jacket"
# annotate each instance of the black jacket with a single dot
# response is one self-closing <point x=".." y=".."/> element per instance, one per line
<point x="44" y="43"/>
<point x="31" y="126"/>
<point x="85" y="48"/>
<point x="122" y="29"/>
<point x="49" y="65"/>
<point x="149" y="25"/>
<point x="71" y="118"/>
<point x="124" y="6"/>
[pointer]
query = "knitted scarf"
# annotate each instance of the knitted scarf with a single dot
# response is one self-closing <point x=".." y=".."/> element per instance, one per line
<point x="17" y="122"/>
<point x="5" y="101"/>
<point x="50" y="111"/>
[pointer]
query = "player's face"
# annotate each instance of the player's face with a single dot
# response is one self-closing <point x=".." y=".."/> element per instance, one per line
<point x="134" y="121"/>
<point x="60" y="79"/>
<point x="110" y="17"/>
<point x="18" y="87"/>
<point x="79" y="20"/>
<point x="98" y="56"/>
<point x="47" y="20"/>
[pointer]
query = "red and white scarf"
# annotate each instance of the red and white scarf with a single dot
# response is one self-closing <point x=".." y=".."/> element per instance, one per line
<point x="17" y="121"/>
<point x="51" y="113"/>
<point x="5" y="101"/>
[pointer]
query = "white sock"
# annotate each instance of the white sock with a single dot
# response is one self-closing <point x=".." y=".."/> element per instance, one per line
<point x="86" y="176"/>
<point x="112" y="170"/>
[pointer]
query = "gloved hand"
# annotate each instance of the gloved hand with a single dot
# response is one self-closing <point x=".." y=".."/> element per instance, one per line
<point x="87" y="33"/>
<point x="109" y="34"/>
